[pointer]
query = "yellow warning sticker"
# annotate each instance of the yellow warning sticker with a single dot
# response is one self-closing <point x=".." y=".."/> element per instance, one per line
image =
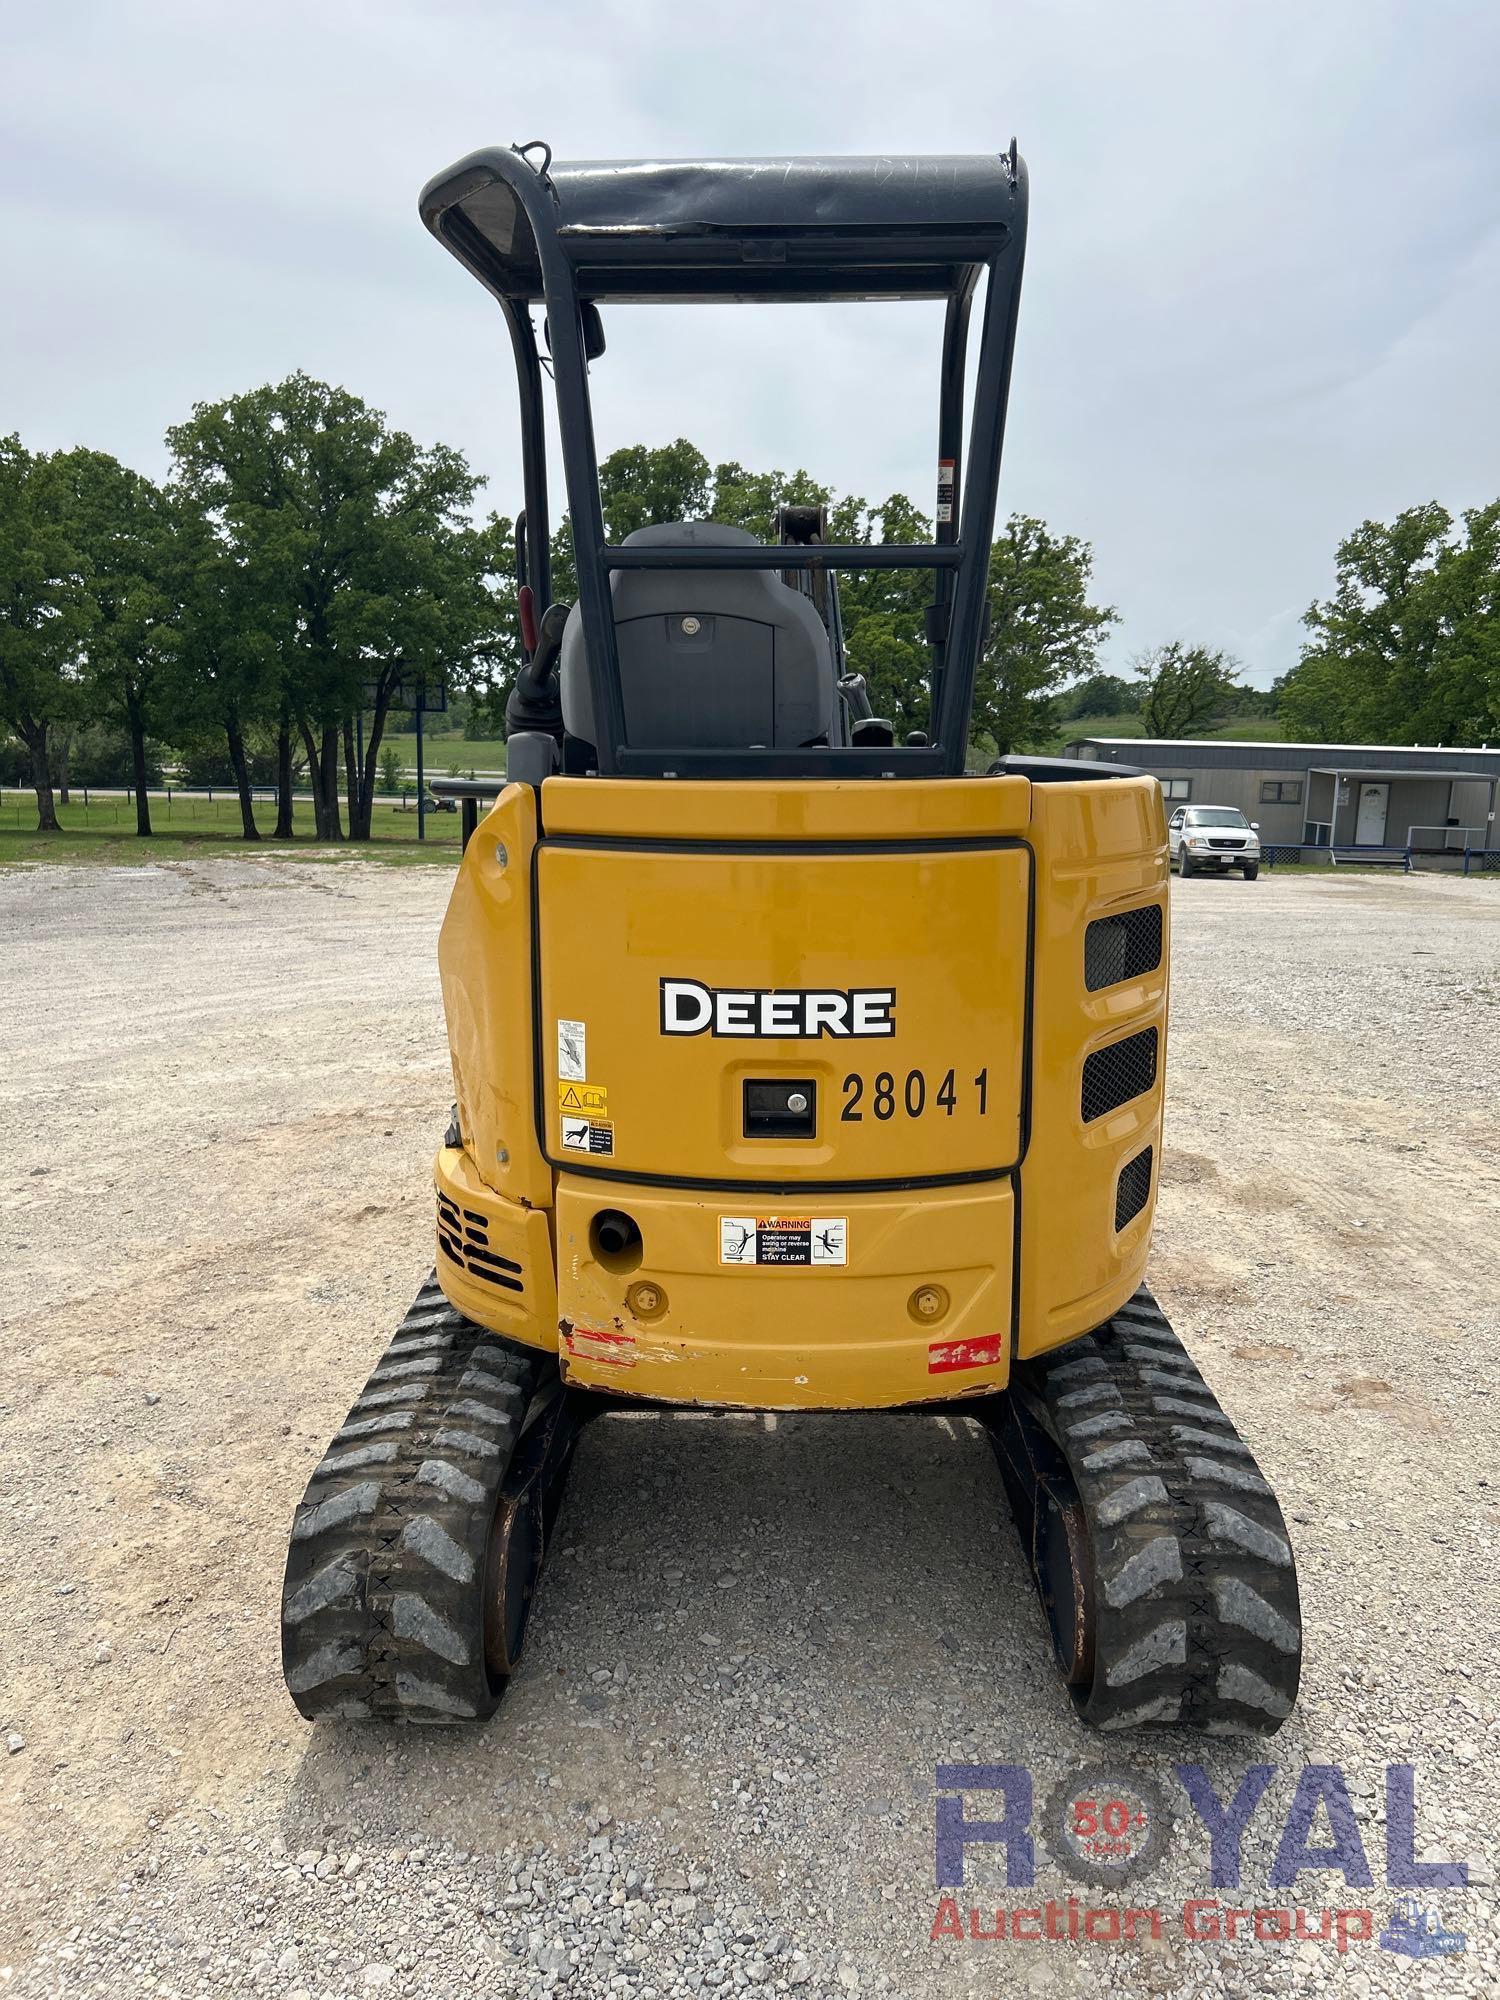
<point x="582" y="1100"/>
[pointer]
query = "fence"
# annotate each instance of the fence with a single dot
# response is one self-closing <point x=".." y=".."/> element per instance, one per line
<point x="90" y="807"/>
<point x="1452" y="838"/>
<point x="1483" y="859"/>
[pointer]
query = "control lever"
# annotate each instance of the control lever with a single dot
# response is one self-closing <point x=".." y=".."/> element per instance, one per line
<point x="535" y="701"/>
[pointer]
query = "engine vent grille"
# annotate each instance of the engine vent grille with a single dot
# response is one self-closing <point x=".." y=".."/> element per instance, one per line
<point x="1122" y="947"/>
<point x="1133" y="1189"/>
<point x="463" y="1234"/>
<point x="1113" y="1075"/>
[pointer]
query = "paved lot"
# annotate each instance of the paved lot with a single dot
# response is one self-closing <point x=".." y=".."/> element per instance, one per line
<point x="220" y="1085"/>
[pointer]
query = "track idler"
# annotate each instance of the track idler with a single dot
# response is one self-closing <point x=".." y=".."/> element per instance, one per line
<point x="1159" y="1553"/>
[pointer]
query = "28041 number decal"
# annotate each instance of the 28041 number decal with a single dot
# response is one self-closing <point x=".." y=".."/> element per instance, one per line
<point x="886" y="1095"/>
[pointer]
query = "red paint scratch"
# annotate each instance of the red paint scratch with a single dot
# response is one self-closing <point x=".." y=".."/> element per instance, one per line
<point x="944" y="1356"/>
<point x="601" y="1344"/>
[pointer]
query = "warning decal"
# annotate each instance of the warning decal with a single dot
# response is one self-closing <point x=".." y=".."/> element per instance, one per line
<point x="582" y="1100"/>
<point x="783" y="1239"/>
<point x="572" y="1051"/>
<point x="588" y="1135"/>
<point x="945" y="489"/>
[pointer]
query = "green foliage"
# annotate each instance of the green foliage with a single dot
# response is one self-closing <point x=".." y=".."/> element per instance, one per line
<point x="123" y="526"/>
<point x="203" y="759"/>
<point x="1097" y="695"/>
<point x="1043" y="629"/>
<point x="1044" y="632"/>
<point x="100" y="754"/>
<point x="391" y="771"/>
<point x="885" y="610"/>
<point x="225" y="672"/>
<point x="641" y="486"/>
<point x="46" y="610"/>
<point x="1185" y="687"/>
<point x="1407" y="650"/>
<point x="360" y="565"/>
<point x="124" y="530"/>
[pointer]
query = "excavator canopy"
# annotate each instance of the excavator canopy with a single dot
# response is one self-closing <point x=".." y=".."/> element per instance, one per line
<point x="872" y="227"/>
<point x="879" y="227"/>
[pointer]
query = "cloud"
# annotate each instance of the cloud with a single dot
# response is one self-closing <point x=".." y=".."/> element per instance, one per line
<point x="1262" y="280"/>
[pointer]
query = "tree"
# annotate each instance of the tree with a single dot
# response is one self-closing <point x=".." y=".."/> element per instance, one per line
<point x="1043" y="632"/>
<point x="1407" y="649"/>
<point x="1099" y="694"/>
<point x="435" y="606"/>
<point x="365" y="571"/>
<point x="225" y="670"/>
<point x="1184" y="687"/>
<point x="45" y="610"/>
<point x="123" y="527"/>
<point x="642" y="485"/>
<point x="1043" y="629"/>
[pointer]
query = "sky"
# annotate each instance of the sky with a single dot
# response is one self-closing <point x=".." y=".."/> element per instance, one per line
<point x="1262" y="288"/>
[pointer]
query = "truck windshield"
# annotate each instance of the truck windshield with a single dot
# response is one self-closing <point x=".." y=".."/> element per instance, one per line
<point x="1216" y="816"/>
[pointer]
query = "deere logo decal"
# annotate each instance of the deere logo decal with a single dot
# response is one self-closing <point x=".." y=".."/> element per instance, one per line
<point x="776" y="1013"/>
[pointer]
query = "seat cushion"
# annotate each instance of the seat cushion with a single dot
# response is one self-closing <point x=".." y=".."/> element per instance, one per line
<point x="709" y="659"/>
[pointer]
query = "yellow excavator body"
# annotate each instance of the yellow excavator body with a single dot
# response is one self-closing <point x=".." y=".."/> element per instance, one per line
<point x="785" y="1095"/>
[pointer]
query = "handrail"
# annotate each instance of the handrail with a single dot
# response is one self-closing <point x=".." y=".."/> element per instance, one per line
<point x="1432" y="826"/>
<point x="467" y="788"/>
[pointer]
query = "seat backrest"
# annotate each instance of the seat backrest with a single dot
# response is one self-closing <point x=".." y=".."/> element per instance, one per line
<point x="710" y="659"/>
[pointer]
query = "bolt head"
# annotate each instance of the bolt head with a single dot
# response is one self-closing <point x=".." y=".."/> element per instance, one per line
<point x="797" y="1102"/>
<point x="690" y="626"/>
<point x="929" y="1302"/>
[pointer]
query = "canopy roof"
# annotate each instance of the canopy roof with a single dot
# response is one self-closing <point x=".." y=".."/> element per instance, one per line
<point x="873" y="226"/>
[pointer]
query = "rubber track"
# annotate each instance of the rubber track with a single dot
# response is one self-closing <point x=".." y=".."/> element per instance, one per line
<point x="382" y="1607"/>
<point x="1197" y="1617"/>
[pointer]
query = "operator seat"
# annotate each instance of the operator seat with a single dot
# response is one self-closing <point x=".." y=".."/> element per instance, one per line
<point x="710" y="659"/>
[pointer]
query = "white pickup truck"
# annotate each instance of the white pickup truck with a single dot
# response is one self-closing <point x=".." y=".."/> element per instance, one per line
<point x="1213" y="838"/>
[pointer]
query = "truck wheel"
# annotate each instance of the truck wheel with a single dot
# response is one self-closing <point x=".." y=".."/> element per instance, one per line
<point x="1184" y="867"/>
<point x="1251" y="870"/>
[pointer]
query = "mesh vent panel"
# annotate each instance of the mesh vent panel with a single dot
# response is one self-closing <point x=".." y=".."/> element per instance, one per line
<point x="1133" y="1190"/>
<point x="1113" y="1075"/>
<point x="1122" y="947"/>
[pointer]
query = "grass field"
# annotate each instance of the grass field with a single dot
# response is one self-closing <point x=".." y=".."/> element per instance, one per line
<point x="104" y="830"/>
<point x="1240" y="729"/>
<point x="439" y="752"/>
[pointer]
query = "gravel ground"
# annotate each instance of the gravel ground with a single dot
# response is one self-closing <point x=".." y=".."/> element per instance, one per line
<point x="220" y="1086"/>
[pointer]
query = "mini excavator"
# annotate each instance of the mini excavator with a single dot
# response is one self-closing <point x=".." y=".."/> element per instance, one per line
<point x="795" y="1067"/>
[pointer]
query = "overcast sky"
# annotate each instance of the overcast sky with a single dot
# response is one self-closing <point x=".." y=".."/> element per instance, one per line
<point x="1262" y="292"/>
